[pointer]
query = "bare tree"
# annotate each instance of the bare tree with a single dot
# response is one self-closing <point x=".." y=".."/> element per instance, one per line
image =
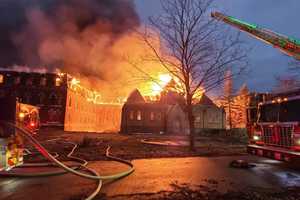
<point x="194" y="48"/>
<point x="225" y="100"/>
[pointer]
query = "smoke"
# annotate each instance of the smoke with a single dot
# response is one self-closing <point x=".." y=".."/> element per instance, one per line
<point x="86" y="38"/>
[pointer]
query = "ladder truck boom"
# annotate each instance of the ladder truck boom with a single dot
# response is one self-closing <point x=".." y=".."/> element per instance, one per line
<point x="287" y="45"/>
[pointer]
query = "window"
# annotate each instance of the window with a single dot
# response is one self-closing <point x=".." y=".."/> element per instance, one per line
<point x="27" y="98"/>
<point x="53" y="99"/>
<point x="131" y="115"/>
<point x="29" y="81"/>
<point x="17" y="80"/>
<point x="158" y="116"/>
<point x="289" y="111"/>
<point x="57" y="82"/>
<point x="139" y="115"/>
<point x="197" y="119"/>
<point x="269" y="113"/>
<point x="152" y="116"/>
<point x="43" y="81"/>
<point x="1" y="78"/>
<point x="42" y="98"/>
<point x="70" y="102"/>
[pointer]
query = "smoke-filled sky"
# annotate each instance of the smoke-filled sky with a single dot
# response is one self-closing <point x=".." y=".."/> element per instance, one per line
<point x="90" y="37"/>
<point x="265" y="62"/>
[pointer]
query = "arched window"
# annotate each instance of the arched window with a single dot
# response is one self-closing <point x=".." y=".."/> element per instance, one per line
<point x="57" y="81"/>
<point x="131" y="115"/>
<point x="158" y="116"/>
<point x="139" y="115"/>
<point x="152" y="116"/>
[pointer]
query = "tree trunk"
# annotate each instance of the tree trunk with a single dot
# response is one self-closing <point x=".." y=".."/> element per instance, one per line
<point x="229" y="113"/>
<point x="191" y="125"/>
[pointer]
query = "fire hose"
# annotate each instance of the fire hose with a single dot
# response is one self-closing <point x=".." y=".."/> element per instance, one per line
<point x="68" y="169"/>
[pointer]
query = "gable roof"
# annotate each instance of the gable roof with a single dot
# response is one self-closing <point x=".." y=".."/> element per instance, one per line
<point x="206" y="101"/>
<point x="135" y="97"/>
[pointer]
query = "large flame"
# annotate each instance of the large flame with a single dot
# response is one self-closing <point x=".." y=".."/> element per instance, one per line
<point x="158" y="86"/>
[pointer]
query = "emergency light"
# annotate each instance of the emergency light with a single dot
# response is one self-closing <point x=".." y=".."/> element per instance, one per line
<point x="11" y="149"/>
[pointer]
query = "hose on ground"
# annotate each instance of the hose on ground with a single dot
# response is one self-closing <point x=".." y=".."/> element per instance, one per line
<point x="71" y="169"/>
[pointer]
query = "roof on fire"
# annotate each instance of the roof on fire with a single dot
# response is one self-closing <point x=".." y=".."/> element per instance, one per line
<point x="135" y="97"/>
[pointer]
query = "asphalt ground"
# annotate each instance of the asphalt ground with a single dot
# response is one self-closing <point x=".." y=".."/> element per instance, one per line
<point x="156" y="175"/>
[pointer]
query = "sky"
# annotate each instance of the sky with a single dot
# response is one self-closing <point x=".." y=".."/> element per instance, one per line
<point x="265" y="62"/>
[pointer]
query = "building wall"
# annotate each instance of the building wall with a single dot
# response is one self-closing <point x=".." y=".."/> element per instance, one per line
<point x="45" y="90"/>
<point x="143" y="118"/>
<point x="85" y="116"/>
<point x="208" y="117"/>
<point x="177" y="122"/>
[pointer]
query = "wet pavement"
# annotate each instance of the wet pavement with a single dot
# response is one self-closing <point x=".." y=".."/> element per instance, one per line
<point x="154" y="175"/>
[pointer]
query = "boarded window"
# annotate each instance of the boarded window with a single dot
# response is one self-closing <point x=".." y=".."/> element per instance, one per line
<point x="1" y="78"/>
<point x="152" y="116"/>
<point x="139" y="115"/>
<point x="131" y="115"/>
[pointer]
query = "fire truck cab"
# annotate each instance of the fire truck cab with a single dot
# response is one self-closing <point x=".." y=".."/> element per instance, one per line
<point x="274" y="127"/>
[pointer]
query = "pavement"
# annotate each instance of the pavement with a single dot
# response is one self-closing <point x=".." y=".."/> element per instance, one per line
<point x="155" y="175"/>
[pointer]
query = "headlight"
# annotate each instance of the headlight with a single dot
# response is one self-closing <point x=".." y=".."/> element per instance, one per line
<point x="256" y="137"/>
<point x="297" y="141"/>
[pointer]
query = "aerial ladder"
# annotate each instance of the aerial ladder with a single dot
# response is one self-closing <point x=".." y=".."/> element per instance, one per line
<point x="272" y="137"/>
<point x="287" y="45"/>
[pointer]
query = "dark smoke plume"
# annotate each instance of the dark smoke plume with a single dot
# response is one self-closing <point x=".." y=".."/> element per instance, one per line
<point x="63" y="33"/>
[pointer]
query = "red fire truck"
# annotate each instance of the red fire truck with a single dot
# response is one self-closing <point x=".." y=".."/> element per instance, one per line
<point x="274" y="126"/>
<point x="11" y="144"/>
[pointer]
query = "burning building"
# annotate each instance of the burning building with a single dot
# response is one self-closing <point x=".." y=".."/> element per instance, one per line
<point x="167" y="115"/>
<point x="63" y="102"/>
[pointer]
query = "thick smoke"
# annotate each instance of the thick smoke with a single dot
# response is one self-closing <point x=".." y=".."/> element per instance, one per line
<point x="81" y="37"/>
<point x="28" y="26"/>
<point x="85" y="38"/>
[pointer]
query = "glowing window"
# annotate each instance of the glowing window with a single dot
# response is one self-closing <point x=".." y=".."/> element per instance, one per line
<point x="57" y="82"/>
<point x="1" y="78"/>
<point x="139" y="115"/>
<point x="152" y="116"/>
<point x="131" y="115"/>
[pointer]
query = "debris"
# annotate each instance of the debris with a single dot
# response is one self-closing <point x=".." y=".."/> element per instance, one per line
<point x="241" y="164"/>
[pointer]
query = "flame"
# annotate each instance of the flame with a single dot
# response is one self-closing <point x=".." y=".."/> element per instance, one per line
<point x="163" y="80"/>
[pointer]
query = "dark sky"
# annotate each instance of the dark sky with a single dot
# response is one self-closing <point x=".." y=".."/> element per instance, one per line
<point x="265" y="61"/>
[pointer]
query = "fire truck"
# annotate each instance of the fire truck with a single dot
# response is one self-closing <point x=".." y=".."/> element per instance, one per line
<point x="273" y="120"/>
<point x="274" y="126"/>
<point x="11" y="144"/>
